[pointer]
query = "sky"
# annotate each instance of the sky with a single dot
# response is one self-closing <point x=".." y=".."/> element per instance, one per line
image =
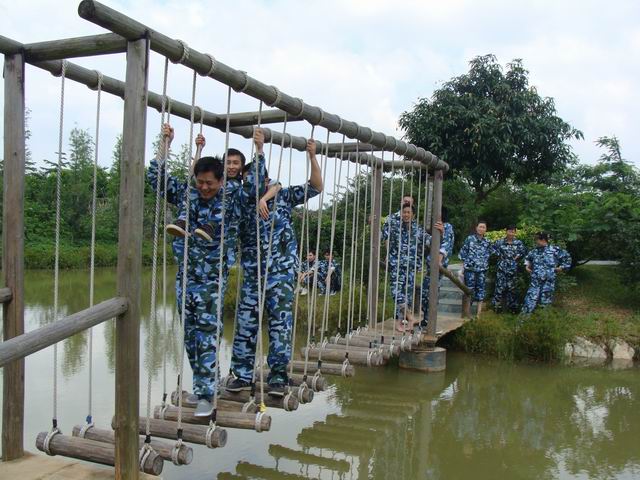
<point x="367" y="61"/>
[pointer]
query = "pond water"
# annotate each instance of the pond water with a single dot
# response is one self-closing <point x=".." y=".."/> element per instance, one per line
<point x="480" y="419"/>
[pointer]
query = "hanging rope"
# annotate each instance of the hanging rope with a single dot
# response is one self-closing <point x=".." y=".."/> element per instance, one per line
<point x="395" y="299"/>
<point x="92" y="255"/>
<point x="424" y="226"/>
<point x="364" y="228"/>
<point x="415" y="255"/>
<point x="56" y="268"/>
<point x="388" y="244"/>
<point x="354" y="245"/>
<point x="153" y="310"/>
<point x="344" y="245"/>
<point x="407" y="261"/>
<point x="164" y="264"/>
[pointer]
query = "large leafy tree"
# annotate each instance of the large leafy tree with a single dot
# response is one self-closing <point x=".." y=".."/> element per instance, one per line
<point x="491" y="126"/>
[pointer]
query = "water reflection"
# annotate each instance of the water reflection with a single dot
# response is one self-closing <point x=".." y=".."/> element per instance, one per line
<point x="480" y="419"/>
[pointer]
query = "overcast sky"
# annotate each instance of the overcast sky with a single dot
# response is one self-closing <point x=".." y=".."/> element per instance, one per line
<point x="367" y="61"/>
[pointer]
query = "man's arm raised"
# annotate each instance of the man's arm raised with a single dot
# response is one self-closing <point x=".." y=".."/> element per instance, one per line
<point x="315" y="179"/>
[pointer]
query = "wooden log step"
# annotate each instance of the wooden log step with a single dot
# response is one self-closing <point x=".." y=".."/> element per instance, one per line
<point x="304" y="394"/>
<point x="386" y="351"/>
<point x="366" y="358"/>
<point x="164" y="449"/>
<point x="288" y="403"/>
<point x="399" y="343"/>
<point x="414" y="338"/>
<point x="279" y="451"/>
<point x="223" y="405"/>
<point x="245" y="421"/>
<point x="257" y="471"/>
<point x="317" y="383"/>
<point x="92" y="451"/>
<point x="326" y="369"/>
<point x="190" y="433"/>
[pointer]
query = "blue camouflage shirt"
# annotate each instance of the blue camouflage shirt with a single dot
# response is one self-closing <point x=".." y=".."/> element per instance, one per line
<point x="475" y="253"/>
<point x="405" y="241"/>
<point x="544" y="260"/>
<point x="509" y="254"/>
<point x="446" y="244"/>
<point x="204" y="256"/>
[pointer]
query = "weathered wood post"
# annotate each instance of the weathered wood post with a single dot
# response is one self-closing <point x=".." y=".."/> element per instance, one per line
<point x="130" y="259"/>
<point x="435" y="254"/>
<point x="13" y="253"/>
<point x="374" y="258"/>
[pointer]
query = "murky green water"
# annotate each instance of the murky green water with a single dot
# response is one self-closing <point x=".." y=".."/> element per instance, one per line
<point x="481" y="419"/>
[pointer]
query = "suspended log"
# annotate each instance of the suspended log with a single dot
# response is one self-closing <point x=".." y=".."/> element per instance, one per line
<point x="414" y="338"/>
<point x="315" y="380"/>
<point x="387" y="351"/>
<point x="90" y="45"/>
<point x="165" y="450"/>
<point x="245" y="421"/>
<point x="279" y="451"/>
<point x="190" y="433"/>
<point x="398" y="343"/>
<point x="368" y="358"/>
<point x="327" y="368"/>
<point x="304" y="395"/>
<point x="223" y="405"/>
<point x="257" y="471"/>
<point x="242" y="119"/>
<point x="92" y="451"/>
<point x="288" y="403"/>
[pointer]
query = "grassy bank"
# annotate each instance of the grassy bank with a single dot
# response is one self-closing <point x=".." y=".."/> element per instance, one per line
<point x="598" y="306"/>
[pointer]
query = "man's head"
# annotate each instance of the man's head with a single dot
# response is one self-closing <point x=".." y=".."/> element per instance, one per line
<point x="327" y="255"/>
<point x="209" y="173"/>
<point x="541" y="238"/>
<point x="481" y="227"/>
<point x="311" y="256"/>
<point x="234" y="161"/>
<point x="408" y="212"/>
<point x="511" y="232"/>
<point x="407" y="199"/>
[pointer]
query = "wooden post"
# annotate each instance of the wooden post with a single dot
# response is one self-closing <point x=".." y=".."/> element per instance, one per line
<point x="13" y="253"/>
<point x="435" y="254"/>
<point x="130" y="260"/>
<point x="374" y="259"/>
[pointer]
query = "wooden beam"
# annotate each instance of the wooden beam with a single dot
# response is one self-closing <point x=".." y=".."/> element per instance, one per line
<point x="13" y="254"/>
<point x="434" y="286"/>
<point x="447" y="273"/>
<point x="23" y="345"/>
<point x="131" y="29"/>
<point x="91" y="45"/>
<point x="130" y="259"/>
<point x="374" y="252"/>
<point x="243" y="119"/>
<point x="5" y="295"/>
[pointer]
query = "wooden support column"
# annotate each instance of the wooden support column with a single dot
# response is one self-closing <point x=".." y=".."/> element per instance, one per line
<point x="374" y="267"/>
<point x="130" y="259"/>
<point x="435" y="254"/>
<point x="13" y="253"/>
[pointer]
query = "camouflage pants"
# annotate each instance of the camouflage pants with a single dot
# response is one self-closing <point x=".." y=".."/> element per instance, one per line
<point x="424" y="293"/>
<point x="201" y="329"/>
<point x="278" y="315"/>
<point x="540" y="292"/>
<point x="402" y="285"/>
<point x="505" y="291"/>
<point x="476" y="283"/>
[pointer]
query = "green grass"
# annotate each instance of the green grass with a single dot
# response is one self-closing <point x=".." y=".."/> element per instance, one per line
<point x="598" y="305"/>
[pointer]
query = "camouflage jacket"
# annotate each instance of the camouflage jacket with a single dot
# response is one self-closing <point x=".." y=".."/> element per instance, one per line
<point x="475" y="253"/>
<point x="544" y="260"/>
<point x="509" y="254"/>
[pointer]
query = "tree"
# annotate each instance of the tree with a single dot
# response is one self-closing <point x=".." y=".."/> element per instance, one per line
<point x="492" y="127"/>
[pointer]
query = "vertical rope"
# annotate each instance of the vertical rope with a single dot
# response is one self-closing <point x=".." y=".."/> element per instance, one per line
<point x="364" y="229"/>
<point x="92" y="255"/>
<point x="354" y="243"/>
<point x="415" y="238"/>
<point x="424" y="227"/>
<point x="164" y="263"/>
<point x="344" y="245"/>
<point x="388" y="244"/>
<point x="395" y="299"/>
<point x="56" y="268"/>
<point x="408" y="262"/>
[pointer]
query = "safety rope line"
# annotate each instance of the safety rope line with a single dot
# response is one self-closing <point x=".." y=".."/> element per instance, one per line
<point x="364" y="229"/>
<point x="92" y="254"/>
<point x="407" y="261"/>
<point x="344" y="244"/>
<point x="372" y="322"/>
<point x="354" y="247"/>
<point x="164" y="262"/>
<point x="221" y="260"/>
<point x="56" y="272"/>
<point x="336" y="182"/>
<point x="153" y="310"/>
<point x="388" y="244"/>
<point x="185" y="255"/>
<point x="395" y="299"/>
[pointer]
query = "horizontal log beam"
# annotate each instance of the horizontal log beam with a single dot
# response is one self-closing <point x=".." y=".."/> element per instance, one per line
<point x="243" y="119"/>
<point x="106" y="43"/>
<point x="131" y="29"/>
<point x="246" y="421"/>
<point x="43" y="337"/>
<point x="5" y="295"/>
<point x="190" y="433"/>
<point x="327" y="368"/>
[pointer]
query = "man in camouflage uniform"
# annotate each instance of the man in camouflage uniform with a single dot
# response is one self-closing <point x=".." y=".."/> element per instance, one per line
<point x="475" y="253"/>
<point x="279" y="264"/>
<point x="404" y="244"/>
<point x="202" y="293"/>
<point x="543" y="263"/>
<point x="446" y="250"/>
<point x="307" y="272"/>
<point x="328" y="274"/>
<point x="510" y="251"/>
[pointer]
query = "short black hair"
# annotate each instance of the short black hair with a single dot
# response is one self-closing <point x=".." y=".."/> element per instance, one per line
<point x="542" y="236"/>
<point x="311" y="250"/>
<point x="408" y="205"/>
<point x="210" y="164"/>
<point x="511" y="227"/>
<point x="481" y="221"/>
<point x="235" y="152"/>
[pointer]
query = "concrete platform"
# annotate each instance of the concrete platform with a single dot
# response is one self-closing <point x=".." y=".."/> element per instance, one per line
<point x="43" y="467"/>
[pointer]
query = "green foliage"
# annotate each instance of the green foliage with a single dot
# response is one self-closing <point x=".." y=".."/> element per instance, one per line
<point x="492" y="127"/>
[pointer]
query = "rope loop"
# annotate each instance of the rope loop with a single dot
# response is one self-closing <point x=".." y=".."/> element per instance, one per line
<point x="212" y="66"/>
<point x="299" y="114"/>
<point x="341" y="125"/>
<point x="144" y="455"/>
<point x="277" y="99"/>
<point x="314" y="380"/>
<point x="47" y="440"/>
<point x="185" y="52"/>
<point x="369" y="355"/>
<point x="345" y="365"/>
<point x="85" y="428"/>
<point x="175" y="451"/>
<point x="246" y="83"/>
<point x="373" y="134"/>
<point x="209" y="435"/>
<point x="285" y="401"/>
<point x="246" y="406"/>
<point x="99" y="81"/>
<point x="258" y="422"/>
